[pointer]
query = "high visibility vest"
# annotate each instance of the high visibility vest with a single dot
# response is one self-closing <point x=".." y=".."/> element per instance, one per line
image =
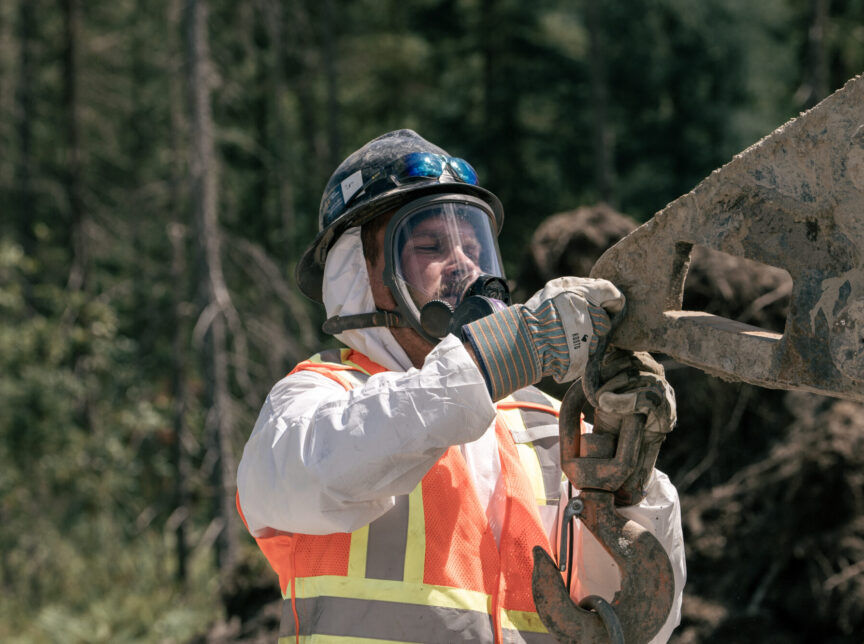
<point x="429" y="570"/>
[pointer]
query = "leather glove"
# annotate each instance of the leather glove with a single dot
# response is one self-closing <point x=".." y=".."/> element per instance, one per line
<point x="635" y="383"/>
<point x="552" y="334"/>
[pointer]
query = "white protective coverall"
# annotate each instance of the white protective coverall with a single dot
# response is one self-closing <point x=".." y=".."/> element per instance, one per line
<point x="322" y="459"/>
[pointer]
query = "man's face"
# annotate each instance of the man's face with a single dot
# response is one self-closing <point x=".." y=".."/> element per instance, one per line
<point x="440" y="259"/>
<point x="437" y="255"/>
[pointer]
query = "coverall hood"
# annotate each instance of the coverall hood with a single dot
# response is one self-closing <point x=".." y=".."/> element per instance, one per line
<point x="346" y="291"/>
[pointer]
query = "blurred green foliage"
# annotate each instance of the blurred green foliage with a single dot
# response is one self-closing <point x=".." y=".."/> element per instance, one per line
<point x="556" y="104"/>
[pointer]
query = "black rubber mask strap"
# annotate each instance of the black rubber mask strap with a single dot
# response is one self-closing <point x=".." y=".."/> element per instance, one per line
<point x="337" y="324"/>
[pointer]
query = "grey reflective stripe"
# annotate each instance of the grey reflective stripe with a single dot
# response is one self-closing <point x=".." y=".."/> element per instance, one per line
<point x="548" y="451"/>
<point x="541" y="430"/>
<point x="524" y="637"/>
<point x="535" y="433"/>
<point x="331" y="355"/>
<point x="344" y="617"/>
<point x="385" y="552"/>
<point x="532" y="395"/>
<point x="536" y="418"/>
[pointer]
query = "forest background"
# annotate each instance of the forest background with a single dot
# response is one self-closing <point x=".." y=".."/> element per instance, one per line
<point x="162" y="163"/>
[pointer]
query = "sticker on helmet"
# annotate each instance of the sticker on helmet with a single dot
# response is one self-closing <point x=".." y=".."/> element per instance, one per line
<point x="351" y="184"/>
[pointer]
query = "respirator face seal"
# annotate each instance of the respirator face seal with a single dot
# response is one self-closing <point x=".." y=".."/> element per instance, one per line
<point x="441" y="250"/>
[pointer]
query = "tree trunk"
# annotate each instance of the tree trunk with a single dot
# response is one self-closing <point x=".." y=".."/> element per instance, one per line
<point x="283" y="196"/>
<point x="819" y="71"/>
<point x="72" y="175"/>
<point x="815" y="84"/>
<point x="217" y="301"/>
<point x="328" y="53"/>
<point x="604" y="172"/>
<point x="24" y="126"/>
<point x="177" y="235"/>
<point x="78" y="271"/>
<point x="501" y="135"/>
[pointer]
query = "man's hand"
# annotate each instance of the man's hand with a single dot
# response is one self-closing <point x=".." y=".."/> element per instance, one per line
<point x="552" y="334"/>
<point x="635" y="383"/>
<point x="580" y="309"/>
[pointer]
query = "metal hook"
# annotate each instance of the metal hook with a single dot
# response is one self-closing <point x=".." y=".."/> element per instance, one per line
<point x="598" y="467"/>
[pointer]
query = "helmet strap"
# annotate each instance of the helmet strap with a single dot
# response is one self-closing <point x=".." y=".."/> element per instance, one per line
<point x="339" y="323"/>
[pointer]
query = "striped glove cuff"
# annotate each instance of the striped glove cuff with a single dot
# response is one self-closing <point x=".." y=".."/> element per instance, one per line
<point x="505" y="350"/>
<point x="518" y="346"/>
<point x="549" y="338"/>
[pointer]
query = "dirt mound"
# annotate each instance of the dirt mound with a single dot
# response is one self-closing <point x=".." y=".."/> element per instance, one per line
<point x="780" y="543"/>
<point x="771" y="482"/>
<point x="568" y="244"/>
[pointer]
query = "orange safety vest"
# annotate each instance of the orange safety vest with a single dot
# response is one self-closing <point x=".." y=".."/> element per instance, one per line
<point x="429" y="570"/>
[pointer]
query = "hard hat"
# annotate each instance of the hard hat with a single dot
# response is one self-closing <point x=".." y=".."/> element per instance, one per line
<point x="379" y="178"/>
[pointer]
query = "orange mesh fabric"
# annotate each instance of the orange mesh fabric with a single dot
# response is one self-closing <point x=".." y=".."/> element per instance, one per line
<point x="365" y="363"/>
<point x="303" y="555"/>
<point x="322" y="554"/>
<point x="460" y="547"/>
<point x="522" y="530"/>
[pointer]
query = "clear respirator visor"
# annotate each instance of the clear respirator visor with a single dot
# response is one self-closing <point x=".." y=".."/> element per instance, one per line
<point x="436" y="250"/>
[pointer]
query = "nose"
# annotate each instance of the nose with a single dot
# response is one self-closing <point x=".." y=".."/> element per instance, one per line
<point x="459" y="266"/>
<point x="459" y="258"/>
<point x="459" y="270"/>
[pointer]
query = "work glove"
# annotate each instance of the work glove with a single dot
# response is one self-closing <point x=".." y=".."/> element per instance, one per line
<point x="552" y="334"/>
<point x="635" y="383"/>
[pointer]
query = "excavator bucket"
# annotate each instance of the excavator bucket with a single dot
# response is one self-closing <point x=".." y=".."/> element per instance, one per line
<point x="794" y="200"/>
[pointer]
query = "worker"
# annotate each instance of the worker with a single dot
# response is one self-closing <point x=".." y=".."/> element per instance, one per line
<point x="397" y="485"/>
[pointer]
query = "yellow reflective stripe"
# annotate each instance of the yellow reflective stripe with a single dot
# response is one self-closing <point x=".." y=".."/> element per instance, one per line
<point x="343" y="358"/>
<point x="357" y="552"/>
<point x="415" y="548"/>
<point x="522" y="621"/>
<point x="392" y="591"/>
<point x="513" y="422"/>
<point x="512" y="419"/>
<point x="531" y="463"/>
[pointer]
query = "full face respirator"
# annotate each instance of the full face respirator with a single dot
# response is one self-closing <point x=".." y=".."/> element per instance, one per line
<point x="442" y="266"/>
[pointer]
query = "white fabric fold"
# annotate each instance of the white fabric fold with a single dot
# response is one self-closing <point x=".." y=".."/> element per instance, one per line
<point x="322" y="459"/>
<point x="346" y="291"/>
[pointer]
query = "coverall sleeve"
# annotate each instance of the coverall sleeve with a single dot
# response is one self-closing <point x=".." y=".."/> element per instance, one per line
<point x="660" y="513"/>
<point x="321" y="459"/>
